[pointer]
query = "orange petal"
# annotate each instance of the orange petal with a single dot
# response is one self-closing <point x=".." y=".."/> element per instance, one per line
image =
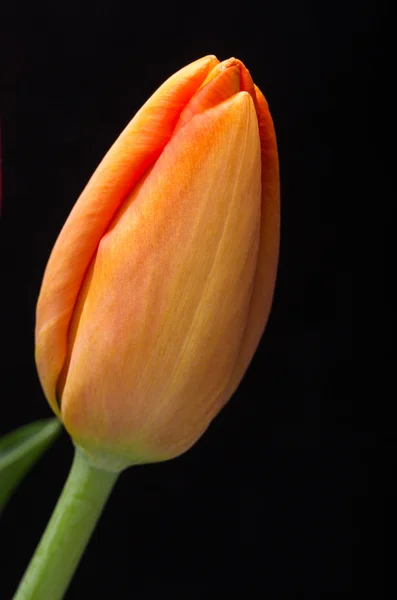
<point x="167" y="297"/>
<point x="265" y="277"/>
<point x="223" y="84"/>
<point x="246" y="83"/>
<point x="136" y="149"/>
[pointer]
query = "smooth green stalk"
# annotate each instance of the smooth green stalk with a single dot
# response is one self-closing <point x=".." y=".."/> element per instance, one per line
<point x="68" y="531"/>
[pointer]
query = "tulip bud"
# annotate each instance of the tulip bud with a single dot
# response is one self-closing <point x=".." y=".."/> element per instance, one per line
<point x="160" y="283"/>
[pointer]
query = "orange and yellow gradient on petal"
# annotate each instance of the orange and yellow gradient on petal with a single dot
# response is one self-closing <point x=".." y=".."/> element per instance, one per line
<point x="160" y="284"/>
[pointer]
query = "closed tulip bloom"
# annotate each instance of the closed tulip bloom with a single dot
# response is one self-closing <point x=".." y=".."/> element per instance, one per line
<point x="160" y="283"/>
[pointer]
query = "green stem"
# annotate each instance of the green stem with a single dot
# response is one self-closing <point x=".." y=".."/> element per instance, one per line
<point x="68" y="531"/>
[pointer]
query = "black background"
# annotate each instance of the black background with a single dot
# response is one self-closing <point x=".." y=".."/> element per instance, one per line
<point x="275" y="500"/>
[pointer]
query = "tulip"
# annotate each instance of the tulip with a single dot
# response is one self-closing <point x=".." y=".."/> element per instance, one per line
<point x="160" y="283"/>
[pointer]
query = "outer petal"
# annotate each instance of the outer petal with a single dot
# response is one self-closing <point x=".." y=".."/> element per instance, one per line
<point x="136" y="149"/>
<point x="166" y="301"/>
<point x="265" y="277"/>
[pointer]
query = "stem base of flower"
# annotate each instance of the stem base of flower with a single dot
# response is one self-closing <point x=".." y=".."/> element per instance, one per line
<point x="68" y="532"/>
